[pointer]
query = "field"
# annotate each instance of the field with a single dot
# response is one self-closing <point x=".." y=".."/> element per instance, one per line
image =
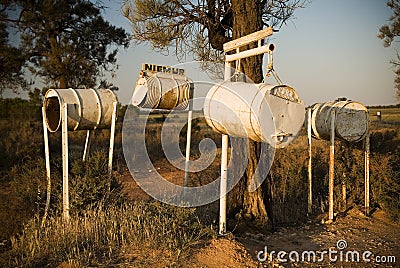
<point x="389" y="115"/>
<point x="116" y="224"/>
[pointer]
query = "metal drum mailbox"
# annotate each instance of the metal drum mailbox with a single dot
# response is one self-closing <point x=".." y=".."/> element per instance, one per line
<point x="351" y="120"/>
<point x="261" y="112"/>
<point x="162" y="91"/>
<point x="88" y="109"/>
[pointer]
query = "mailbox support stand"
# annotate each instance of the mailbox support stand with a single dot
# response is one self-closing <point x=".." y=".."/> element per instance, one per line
<point x="112" y="133"/>
<point x="87" y="145"/>
<point x="332" y="168"/>
<point x="309" y="210"/>
<point x="47" y="161"/>
<point x="229" y="59"/>
<point x="64" y="138"/>
<point x="65" y="160"/>
<point x="366" y="182"/>
<point x="223" y="185"/>
<point x="331" y="165"/>
<point x="189" y="135"/>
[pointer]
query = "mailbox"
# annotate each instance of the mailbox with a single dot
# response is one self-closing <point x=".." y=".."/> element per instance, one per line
<point x="351" y="120"/>
<point x="261" y="112"/>
<point x="162" y="91"/>
<point x="88" y="109"/>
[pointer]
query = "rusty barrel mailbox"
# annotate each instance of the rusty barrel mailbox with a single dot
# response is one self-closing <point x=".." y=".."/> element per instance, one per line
<point x="351" y="120"/>
<point x="162" y="91"/>
<point x="261" y="112"/>
<point x="88" y="109"/>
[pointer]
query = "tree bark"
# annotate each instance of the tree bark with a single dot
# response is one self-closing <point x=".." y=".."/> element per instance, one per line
<point x="252" y="209"/>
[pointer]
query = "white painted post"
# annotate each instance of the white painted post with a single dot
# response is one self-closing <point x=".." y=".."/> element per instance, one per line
<point x="112" y="132"/>
<point x="224" y="167"/>
<point x="189" y="135"/>
<point x="332" y="165"/>
<point x="64" y="125"/>
<point x="87" y="146"/>
<point x="188" y="140"/>
<point x="47" y="161"/>
<point x="223" y="185"/>
<point x="367" y="152"/>
<point x="344" y="193"/>
<point x="229" y="60"/>
<point x="309" y="161"/>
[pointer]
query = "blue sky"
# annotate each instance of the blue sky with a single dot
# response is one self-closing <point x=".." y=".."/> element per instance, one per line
<point x="329" y="50"/>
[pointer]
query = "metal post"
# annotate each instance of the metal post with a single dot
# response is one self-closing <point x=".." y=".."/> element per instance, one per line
<point x="87" y="146"/>
<point x="223" y="185"/>
<point x="47" y="161"/>
<point x="64" y="124"/>
<point x="367" y="151"/>
<point x="332" y="165"/>
<point x="344" y="193"/>
<point x="188" y="135"/>
<point x="112" y="132"/>
<point x="188" y="140"/>
<point x="309" y="161"/>
<point x="224" y="167"/>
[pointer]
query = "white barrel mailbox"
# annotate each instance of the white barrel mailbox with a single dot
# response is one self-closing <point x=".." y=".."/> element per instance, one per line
<point x="261" y="112"/>
<point x="162" y="91"/>
<point x="88" y="109"/>
<point x="351" y="120"/>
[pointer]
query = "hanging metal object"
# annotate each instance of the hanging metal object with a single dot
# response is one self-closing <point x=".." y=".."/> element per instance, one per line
<point x="261" y="112"/>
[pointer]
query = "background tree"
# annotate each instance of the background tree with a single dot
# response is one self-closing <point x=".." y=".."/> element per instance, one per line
<point x="200" y="28"/>
<point x="389" y="33"/>
<point x="66" y="42"/>
<point x="11" y="62"/>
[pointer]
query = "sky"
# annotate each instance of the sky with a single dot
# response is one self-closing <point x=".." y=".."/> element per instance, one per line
<point x="328" y="50"/>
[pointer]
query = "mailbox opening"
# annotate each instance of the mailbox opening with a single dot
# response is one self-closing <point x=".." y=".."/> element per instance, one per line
<point x="52" y="113"/>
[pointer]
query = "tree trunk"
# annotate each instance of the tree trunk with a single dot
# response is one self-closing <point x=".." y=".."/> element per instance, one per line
<point x="252" y="209"/>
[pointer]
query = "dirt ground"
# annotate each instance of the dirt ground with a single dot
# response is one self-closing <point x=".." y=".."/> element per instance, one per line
<point x="352" y="240"/>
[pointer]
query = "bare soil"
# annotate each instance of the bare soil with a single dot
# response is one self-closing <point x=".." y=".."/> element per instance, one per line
<point x="350" y="233"/>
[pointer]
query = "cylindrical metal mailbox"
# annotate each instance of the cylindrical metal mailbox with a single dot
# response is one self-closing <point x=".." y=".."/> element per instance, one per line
<point x="261" y="112"/>
<point x="87" y="108"/>
<point x="162" y="91"/>
<point x="351" y="120"/>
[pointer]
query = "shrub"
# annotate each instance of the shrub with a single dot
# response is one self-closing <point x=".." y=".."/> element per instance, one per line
<point x="90" y="184"/>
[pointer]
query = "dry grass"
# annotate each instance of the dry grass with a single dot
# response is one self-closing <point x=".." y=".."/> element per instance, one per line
<point x="96" y="237"/>
<point x="101" y="235"/>
<point x="389" y="115"/>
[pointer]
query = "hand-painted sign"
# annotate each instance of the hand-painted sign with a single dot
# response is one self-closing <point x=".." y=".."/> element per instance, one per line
<point x="154" y="68"/>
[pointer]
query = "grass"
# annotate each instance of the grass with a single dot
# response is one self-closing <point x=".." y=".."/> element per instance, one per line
<point x="100" y="234"/>
<point x="99" y="237"/>
<point x="391" y="115"/>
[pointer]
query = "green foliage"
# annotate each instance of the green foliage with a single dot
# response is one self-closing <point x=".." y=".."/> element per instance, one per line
<point x="20" y="122"/>
<point x="199" y="30"/>
<point x="390" y="32"/>
<point x="90" y="183"/>
<point x="67" y="43"/>
<point x="385" y="170"/>
<point x="11" y="61"/>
